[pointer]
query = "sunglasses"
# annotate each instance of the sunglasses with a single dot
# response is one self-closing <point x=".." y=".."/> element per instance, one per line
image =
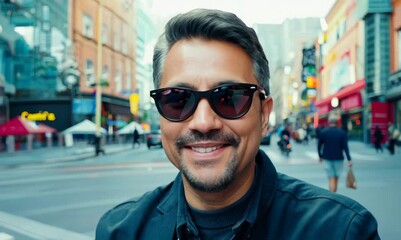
<point x="230" y="101"/>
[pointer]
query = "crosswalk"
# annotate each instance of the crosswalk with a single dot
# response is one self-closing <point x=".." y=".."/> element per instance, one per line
<point x="311" y="157"/>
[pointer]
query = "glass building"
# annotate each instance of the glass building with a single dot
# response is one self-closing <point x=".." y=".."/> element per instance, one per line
<point x="33" y="40"/>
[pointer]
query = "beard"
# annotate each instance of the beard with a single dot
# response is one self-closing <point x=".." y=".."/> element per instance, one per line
<point x="220" y="182"/>
<point x="216" y="185"/>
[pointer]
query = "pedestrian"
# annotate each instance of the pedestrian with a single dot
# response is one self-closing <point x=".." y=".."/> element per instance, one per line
<point x="378" y="139"/>
<point x="318" y="129"/>
<point x="332" y="144"/>
<point x="394" y="134"/>
<point x="211" y="76"/>
<point x="135" y="137"/>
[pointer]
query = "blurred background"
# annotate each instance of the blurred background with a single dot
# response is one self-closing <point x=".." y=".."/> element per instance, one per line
<point x="62" y="62"/>
<point x="75" y="77"/>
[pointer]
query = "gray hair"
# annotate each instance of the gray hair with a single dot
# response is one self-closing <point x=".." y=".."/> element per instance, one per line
<point x="212" y="25"/>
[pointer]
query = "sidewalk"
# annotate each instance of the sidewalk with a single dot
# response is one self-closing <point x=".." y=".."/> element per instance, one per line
<point x="56" y="154"/>
<point x="83" y="151"/>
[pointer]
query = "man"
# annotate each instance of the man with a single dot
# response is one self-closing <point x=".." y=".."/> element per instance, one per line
<point x="332" y="143"/>
<point x="212" y="91"/>
<point x="135" y="137"/>
<point x="393" y="134"/>
<point x="285" y="137"/>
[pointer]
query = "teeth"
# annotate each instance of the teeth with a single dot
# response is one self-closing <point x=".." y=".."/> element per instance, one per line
<point x="205" y="150"/>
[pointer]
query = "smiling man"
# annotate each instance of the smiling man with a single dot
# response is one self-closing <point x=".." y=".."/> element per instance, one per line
<point x="212" y="91"/>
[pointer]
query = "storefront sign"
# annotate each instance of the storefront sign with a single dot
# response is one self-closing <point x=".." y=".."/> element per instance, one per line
<point x="324" y="109"/>
<point x="353" y="101"/>
<point x="380" y="117"/>
<point x="40" y="116"/>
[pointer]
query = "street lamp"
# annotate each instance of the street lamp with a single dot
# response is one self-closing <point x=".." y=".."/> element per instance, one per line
<point x="98" y="116"/>
<point x="70" y="76"/>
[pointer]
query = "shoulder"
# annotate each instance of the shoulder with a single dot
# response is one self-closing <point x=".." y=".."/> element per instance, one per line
<point x="323" y="208"/>
<point x="299" y="190"/>
<point x="130" y="216"/>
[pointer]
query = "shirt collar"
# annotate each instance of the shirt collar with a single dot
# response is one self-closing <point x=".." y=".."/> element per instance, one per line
<point x="265" y="180"/>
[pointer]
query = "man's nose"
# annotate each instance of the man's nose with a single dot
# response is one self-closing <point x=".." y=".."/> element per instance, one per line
<point x="204" y="118"/>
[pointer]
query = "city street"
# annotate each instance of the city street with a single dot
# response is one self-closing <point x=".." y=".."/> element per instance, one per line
<point x="63" y="197"/>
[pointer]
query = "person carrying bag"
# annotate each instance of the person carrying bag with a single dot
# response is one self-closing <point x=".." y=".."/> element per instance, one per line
<point x="350" y="181"/>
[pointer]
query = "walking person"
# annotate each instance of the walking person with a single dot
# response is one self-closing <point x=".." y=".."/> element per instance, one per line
<point x="393" y="134"/>
<point x="332" y="144"/>
<point x="212" y="92"/>
<point x="135" y="136"/>
<point x="378" y="139"/>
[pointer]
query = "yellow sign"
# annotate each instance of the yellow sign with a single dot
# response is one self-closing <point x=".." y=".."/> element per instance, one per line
<point x="133" y="103"/>
<point x="40" y="116"/>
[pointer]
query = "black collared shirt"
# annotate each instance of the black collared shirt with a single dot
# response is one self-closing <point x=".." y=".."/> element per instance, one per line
<point x="227" y="223"/>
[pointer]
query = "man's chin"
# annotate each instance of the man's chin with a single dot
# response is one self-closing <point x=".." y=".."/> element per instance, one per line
<point x="208" y="184"/>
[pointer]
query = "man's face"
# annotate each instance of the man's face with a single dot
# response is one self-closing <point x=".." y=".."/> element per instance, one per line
<point x="212" y="152"/>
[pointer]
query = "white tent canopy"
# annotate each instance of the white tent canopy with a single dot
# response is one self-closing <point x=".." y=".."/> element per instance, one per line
<point x="129" y="129"/>
<point x="84" y="127"/>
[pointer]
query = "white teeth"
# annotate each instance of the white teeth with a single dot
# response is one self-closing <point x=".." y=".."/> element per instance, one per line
<point x="204" y="150"/>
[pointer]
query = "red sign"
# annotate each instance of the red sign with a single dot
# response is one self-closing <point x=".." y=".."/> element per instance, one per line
<point x="352" y="101"/>
<point x="324" y="109"/>
<point x="379" y="118"/>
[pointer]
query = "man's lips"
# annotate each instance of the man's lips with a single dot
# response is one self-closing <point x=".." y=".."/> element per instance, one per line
<point x="205" y="147"/>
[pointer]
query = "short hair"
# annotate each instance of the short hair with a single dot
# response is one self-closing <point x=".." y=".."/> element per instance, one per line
<point x="333" y="119"/>
<point x="211" y="24"/>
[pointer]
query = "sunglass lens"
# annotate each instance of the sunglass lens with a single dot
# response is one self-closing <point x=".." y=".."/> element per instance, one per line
<point x="232" y="101"/>
<point x="176" y="104"/>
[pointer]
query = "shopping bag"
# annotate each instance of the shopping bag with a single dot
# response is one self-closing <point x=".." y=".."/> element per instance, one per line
<point x="351" y="181"/>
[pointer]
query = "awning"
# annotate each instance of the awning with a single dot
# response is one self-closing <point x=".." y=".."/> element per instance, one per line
<point x="346" y="91"/>
<point x="84" y="127"/>
<point x="21" y="126"/>
<point x="129" y="129"/>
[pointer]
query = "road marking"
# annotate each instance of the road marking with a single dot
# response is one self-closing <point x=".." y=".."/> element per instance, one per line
<point x="74" y="206"/>
<point x="358" y="156"/>
<point x="37" y="230"/>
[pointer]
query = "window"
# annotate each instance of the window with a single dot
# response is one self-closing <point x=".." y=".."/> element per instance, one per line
<point x="118" y="79"/>
<point x="124" y="45"/>
<point x="87" y="25"/>
<point x="116" y="40"/>
<point x="105" y="37"/>
<point x="46" y="18"/>
<point x="399" y="49"/>
<point x="89" y="73"/>
<point x="105" y="73"/>
<point x="128" y="83"/>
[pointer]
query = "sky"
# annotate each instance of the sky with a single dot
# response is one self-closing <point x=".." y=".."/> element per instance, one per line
<point x="251" y="11"/>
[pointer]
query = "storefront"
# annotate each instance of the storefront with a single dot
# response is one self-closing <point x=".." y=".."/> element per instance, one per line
<point x="53" y="113"/>
<point x="348" y="102"/>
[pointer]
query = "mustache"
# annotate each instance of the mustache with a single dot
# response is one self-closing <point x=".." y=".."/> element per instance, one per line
<point x="217" y="136"/>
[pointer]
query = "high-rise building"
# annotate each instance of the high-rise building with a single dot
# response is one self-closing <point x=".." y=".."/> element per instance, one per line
<point x="283" y="44"/>
<point x="33" y="35"/>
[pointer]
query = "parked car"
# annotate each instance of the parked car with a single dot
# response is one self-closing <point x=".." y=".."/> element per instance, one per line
<point x="266" y="139"/>
<point x="154" y="138"/>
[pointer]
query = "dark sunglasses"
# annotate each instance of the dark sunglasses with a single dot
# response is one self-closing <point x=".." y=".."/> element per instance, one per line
<point x="230" y="101"/>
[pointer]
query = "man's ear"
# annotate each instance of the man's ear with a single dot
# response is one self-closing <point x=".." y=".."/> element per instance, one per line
<point x="267" y="106"/>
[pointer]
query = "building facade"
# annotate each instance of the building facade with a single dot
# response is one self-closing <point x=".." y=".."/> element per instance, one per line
<point x="32" y="42"/>
<point x="146" y="40"/>
<point x="393" y="94"/>
<point x="114" y="62"/>
<point x="342" y="71"/>
<point x="363" y="62"/>
<point x="283" y="44"/>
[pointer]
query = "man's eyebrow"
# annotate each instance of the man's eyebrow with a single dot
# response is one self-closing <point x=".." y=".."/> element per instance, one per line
<point x="191" y="86"/>
<point x="182" y="85"/>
